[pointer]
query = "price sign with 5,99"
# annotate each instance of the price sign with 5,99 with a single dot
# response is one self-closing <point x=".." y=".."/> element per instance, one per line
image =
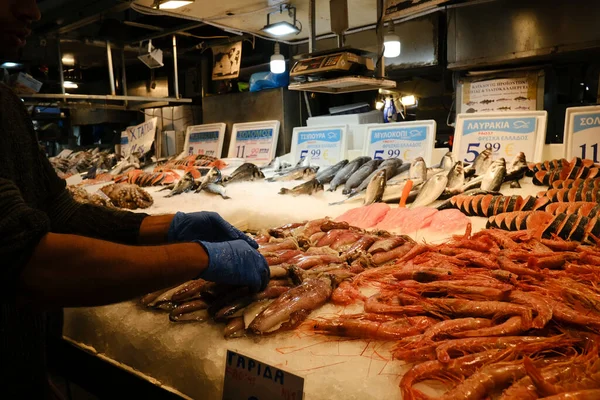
<point x="582" y="132"/>
<point x="255" y="142"/>
<point x="404" y="140"/>
<point x="204" y="139"/>
<point x="504" y="136"/>
<point x="320" y="145"/>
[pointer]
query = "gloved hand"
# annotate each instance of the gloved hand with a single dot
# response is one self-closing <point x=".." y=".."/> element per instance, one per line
<point x="236" y="263"/>
<point x="206" y="226"/>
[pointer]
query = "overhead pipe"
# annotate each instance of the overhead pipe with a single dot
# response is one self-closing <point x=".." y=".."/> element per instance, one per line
<point x="124" y="75"/>
<point x="312" y="24"/>
<point x="380" y="63"/>
<point x="176" y="74"/>
<point x="111" y="74"/>
<point x="60" y="67"/>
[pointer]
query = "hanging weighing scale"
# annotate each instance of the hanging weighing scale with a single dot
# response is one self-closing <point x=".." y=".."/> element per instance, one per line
<point x="328" y="64"/>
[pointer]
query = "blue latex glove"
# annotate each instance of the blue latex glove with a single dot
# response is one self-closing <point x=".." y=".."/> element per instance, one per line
<point x="235" y="263"/>
<point x="205" y="226"/>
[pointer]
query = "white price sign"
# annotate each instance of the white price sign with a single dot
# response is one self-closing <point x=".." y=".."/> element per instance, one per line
<point x="141" y="137"/>
<point x="505" y="135"/>
<point x="124" y="143"/>
<point x="204" y="139"/>
<point x="254" y="142"/>
<point x="404" y="140"/>
<point x="321" y="145"/>
<point x="249" y="379"/>
<point x="582" y="132"/>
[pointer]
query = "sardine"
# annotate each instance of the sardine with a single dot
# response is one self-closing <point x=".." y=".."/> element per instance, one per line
<point x="215" y="188"/>
<point x="431" y="190"/>
<point x="300" y="173"/>
<point x="309" y="188"/>
<point x="245" y="172"/>
<point x="360" y="175"/>
<point x="342" y="176"/>
<point x="456" y="179"/>
<point x="492" y="180"/>
<point x="185" y="184"/>
<point x="376" y="188"/>
<point x="292" y="307"/>
<point x="326" y="175"/>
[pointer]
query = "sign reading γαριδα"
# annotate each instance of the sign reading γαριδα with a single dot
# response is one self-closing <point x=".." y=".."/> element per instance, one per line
<point x="505" y="134"/>
<point x="255" y="142"/>
<point x="321" y="145"/>
<point x="204" y="139"/>
<point x="249" y="379"/>
<point x="582" y="132"/>
<point x="404" y="140"/>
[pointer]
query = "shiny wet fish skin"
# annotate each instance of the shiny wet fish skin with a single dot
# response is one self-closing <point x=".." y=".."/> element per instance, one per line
<point x="376" y="188"/>
<point x="215" y="188"/>
<point x="360" y="175"/>
<point x="308" y="187"/>
<point x="245" y="172"/>
<point x="431" y="190"/>
<point x="326" y="175"/>
<point x="346" y="172"/>
<point x="494" y="177"/>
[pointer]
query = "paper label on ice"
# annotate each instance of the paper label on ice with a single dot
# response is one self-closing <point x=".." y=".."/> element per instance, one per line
<point x="249" y="379"/>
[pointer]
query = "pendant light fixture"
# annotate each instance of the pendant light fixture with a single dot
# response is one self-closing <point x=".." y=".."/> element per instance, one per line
<point x="277" y="61"/>
<point x="391" y="42"/>
<point x="171" y="4"/>
<point x="282" y="28"/>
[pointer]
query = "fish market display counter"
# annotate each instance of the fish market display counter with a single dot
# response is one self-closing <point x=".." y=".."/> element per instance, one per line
<point x="189" y="358"/>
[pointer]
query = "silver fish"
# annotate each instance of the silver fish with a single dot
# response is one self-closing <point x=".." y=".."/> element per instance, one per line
<point x="447" y="161"/>
<point x="325" y="176"/>
<point x="390" y="167"/>
<point x="299" y="173"/>
<point x="185" y="184"/>
<point x="360" y="175"/>
<point x="431" y="190"/>
<point x="289" y="309"/>
<point x="376" y="188"/>
<point x="346" y="172"/>
<point x="245" y="172"/>
<point x="493" y="178"/>
<point x="482" y="162"/>
<point x="212" y="176"/>
<point x="456" y="178"/>
<point x="517" y="164"/>
<point x="309" y="188"/>
<point x="418" y="169"/>
<point x="215" y="188"/>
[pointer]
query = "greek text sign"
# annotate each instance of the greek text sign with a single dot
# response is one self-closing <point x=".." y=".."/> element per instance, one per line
<point x="582" y="132"/>
<point x="204" y="139"/>
<point x="321" y="145"/>
<point x="255" y="142"/>
<point x="404" y="140"/>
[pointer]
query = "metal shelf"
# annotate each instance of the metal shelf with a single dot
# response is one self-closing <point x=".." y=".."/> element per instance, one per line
<point x="348" y="84"/>
<point x="106" y="97"/>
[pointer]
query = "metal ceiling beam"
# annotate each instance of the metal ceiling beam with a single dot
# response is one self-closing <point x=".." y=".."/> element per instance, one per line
<point x="168" y="32"/>
<point x="154" y="28"/>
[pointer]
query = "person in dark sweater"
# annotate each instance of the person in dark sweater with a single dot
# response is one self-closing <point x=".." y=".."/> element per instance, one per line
<point x="58" y="253"/>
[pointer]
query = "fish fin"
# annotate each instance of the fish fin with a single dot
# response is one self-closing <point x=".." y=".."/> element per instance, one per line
<point x="284" y="191"/>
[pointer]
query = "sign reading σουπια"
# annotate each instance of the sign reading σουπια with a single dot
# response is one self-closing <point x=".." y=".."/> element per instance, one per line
<point x="404" y="140"/>
<point x="249" y="379"/>
<point x="320" y="145"/>
<point x="205" y="139"/>
<point x="582" y="132"/>
<point x="506" y="137"/>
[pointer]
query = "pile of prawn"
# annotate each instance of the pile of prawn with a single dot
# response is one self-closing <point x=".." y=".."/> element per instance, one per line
<point x="496" y="313"/>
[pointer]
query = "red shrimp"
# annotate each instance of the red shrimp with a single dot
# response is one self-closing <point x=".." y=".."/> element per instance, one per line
<point x="537" y="303"/>
<point x="364" y="328"/>
<point x="449" y="327"/>
<point x="346" y="294"/>
<point x="511" y="326"/>
<point x="590" y="394"/>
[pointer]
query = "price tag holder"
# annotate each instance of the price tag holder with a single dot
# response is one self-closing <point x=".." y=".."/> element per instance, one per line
<point x="204" y="139"/>
<point x="582" y="132"/>
<point x="249" y="379"/>
<point x="506" y="134"/>
<point x="322" y="145"/>
<point x="404" y="140"/>
<point x="255" y="142"/>
<point x="141" y="137"/>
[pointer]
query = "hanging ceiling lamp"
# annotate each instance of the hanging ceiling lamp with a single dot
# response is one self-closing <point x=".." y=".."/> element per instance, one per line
<point x="277" y="61"/>
<point x="171" y="4"/>
<point x="391" y="43"/>
<point x="282" y="28"/>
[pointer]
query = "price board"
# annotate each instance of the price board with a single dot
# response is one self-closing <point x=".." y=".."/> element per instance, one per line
<point x="255" y="142"/>
<point x="141" y="137"/>
<point x="582" y="132"/>
<point x="124" y="143"/>
<point x="322" y="145"/>
<point x="404" y="140"/>
<point x="204" y="139"/>
<point x="249" y="379"/>
<point x="506" y="134"/>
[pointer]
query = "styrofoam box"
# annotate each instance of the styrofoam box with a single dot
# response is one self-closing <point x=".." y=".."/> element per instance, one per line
<point x="357" y="130"/>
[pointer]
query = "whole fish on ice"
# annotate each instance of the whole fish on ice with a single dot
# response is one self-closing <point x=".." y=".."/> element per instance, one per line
<point x="360" y="175"/>
<point x="245" y="172"/>
<point x="308" y="187"/>
<point x="431" y="190"/>
<point x="376" y="188"/>
<point x="326" y="175"/>
<point x="299" y="173"/>
<point x="342" y="176"/>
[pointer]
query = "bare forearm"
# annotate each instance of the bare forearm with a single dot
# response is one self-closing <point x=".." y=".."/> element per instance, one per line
<point x="70" y="271"/>
<point x="154" y="229"/>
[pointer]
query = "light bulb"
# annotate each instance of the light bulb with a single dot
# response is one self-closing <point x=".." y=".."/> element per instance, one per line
<point x="70" y="85"/>
<point x="379" y="105"/>
<point x="277" y="64"/>
<point x="391" y="46"/>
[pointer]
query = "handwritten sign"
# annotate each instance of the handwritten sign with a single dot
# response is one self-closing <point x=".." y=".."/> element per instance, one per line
<point x="141" y="137"/>
<point x="255" y="142"/>
<point x="249" y="379"/>
<point x="204" y="139"/>
<point x="404" y="140"/>
<point x="321" y="145"/>
<point x="124" y="143"/>
<point x="505" y="134"/>
<point x="582" y="132"/>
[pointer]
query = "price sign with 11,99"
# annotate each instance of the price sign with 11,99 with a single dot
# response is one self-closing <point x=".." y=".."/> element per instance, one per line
<point x="320" y="145"/>
<point x="504" y="136"/>
<point x="404" y="140"/>
<point x="582" y="132"/>
<point x="205" y="139"/>
<point x="255" y="142"/>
